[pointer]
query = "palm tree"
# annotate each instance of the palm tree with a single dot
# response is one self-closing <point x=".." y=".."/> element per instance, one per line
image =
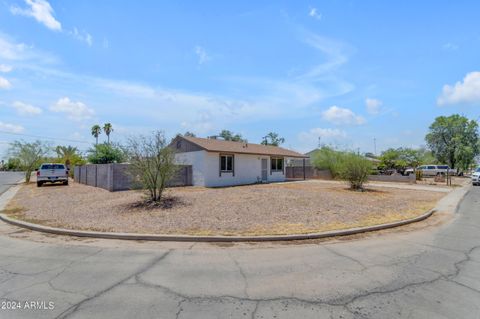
<point x="66" y="153"/>
<point x="107" y="128"/>
<point x="96" y="131"/>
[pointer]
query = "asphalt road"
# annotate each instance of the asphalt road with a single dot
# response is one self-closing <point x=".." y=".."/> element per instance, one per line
<point x="7" y="179"/>
<point x="429" y="270"/>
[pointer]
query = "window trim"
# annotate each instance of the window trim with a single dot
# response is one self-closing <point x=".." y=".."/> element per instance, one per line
<point x="220" y="171"/>
<point x="272" y="159"/>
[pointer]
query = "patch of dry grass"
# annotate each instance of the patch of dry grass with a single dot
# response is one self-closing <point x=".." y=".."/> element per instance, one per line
<point x="282" y="208"/>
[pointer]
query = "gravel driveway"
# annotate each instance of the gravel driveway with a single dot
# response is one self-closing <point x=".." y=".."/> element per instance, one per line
<point x="297" y="207"/>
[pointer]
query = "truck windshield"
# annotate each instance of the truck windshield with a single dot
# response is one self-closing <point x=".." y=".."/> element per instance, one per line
<point x="52" y="166"/>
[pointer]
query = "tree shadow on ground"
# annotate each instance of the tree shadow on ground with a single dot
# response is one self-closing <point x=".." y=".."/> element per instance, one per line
<point x="167" y="202"/>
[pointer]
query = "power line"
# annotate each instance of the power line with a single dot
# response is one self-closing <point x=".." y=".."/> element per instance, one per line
<point x="45" y="137"/>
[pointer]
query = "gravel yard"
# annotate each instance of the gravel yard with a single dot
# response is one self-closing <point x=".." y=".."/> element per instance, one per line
<point x="297" y="207"/>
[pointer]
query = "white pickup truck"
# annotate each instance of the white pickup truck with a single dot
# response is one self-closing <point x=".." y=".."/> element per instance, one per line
<point x="52" y="173"/>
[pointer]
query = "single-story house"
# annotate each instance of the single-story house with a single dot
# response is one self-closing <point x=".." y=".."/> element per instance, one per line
<point x="218" y="162"/>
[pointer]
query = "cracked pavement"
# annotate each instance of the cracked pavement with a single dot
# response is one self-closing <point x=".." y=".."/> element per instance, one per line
<point x="423" y="271"/>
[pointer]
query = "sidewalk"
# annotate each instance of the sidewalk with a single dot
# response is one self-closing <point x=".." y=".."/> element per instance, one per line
<point x="431" y="188"/>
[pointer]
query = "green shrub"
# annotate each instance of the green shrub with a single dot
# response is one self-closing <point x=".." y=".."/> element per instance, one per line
<point x="106" y="153"/>
<point x="329" y="159"/>
<point x="13" y="164"/>
<point x="355" y="170"/>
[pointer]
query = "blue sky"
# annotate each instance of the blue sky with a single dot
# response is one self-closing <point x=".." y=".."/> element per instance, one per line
<point x="344" y="71"/>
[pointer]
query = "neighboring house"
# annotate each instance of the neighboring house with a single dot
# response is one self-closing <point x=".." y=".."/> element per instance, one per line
<point x="225" y="163"/>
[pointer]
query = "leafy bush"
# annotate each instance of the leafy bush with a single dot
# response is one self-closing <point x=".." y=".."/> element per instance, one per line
<point x="106" y="153"/>
<point x="355" y="169"/>
<point x="329" y="159"/>
<point x="13" y="164"/>
<point x="344" y="166"/>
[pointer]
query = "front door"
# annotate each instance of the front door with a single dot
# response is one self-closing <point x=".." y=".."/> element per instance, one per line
<point x="264" y="169"/>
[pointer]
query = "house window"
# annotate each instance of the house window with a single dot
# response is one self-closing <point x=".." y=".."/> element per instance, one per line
<point x="179" y="144"/>
<point x="226" y="163"/>
<point x="276" y="164"/>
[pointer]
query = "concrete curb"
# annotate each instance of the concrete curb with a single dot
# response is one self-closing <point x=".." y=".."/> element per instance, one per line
<point x="187" y="238"/>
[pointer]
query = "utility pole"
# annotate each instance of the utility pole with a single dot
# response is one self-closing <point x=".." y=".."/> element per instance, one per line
<point x="374" y="146"/>
<point x="319" y="143"/>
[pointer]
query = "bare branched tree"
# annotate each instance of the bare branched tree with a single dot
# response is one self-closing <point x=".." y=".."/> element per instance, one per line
<point x="152" y="163"/>
<point x="29" y="155"/>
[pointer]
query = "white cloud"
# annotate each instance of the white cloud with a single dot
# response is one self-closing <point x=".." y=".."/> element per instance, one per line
<point x="5" y="68"/>
<point x="202" y="55"/>
<point x="26" y="109"/>
<point x="373" y="105"/>
<point x="315" y="14"/>
<point x="336" y="53"/>
<point x="463" y="92"/>
<point x="4" y="83"/>
<point x="255" y="98"/>
<point x="338" y="115"/>
<point x="75" y="110"/>
<point x="82" y="36"/>
<point x="127" y="88"/>
<point x="12" y="128"/>
<point x="10" y="50"/>
<point x="41" y="11"/>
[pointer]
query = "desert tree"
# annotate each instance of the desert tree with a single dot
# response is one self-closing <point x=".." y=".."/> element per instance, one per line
<point x="29" y="155"/>
<point x="454" y="140"/>
<point x="152" y="163"/>
<point x="273" y="139"/>
<point x="228" y="135"/>
<point x="355" y="169"/>
<point x="189" y="134"/>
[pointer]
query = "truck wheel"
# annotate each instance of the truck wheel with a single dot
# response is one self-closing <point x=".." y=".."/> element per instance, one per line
<point x="65" y="183"/>
<point x="39" y="184"/>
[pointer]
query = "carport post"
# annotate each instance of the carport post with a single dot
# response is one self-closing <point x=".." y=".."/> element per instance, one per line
<point x="304" y="169"/>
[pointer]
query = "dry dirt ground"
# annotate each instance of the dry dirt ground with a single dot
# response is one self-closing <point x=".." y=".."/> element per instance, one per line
<point x="282" y="208"/>
<point x="456" y="181"/>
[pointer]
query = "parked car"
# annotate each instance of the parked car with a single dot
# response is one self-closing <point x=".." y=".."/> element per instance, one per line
<point x="434" y="170"/>
<point x="476" y="177"/>
<point x="52" y="173"/>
